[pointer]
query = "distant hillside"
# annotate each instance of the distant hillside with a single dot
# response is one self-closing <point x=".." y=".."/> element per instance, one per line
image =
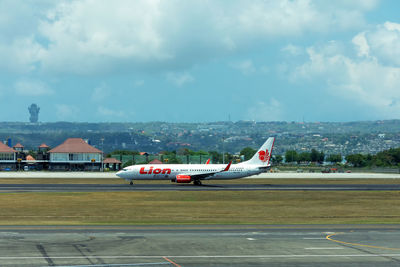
<point x="331" y="137"/>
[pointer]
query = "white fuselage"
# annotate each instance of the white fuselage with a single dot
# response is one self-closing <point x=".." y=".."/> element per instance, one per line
<point x="171" y="171"/>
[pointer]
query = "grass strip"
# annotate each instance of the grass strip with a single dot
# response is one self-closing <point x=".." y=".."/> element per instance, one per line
<point x="235" y="181"/>
<point x="242" y="207"/>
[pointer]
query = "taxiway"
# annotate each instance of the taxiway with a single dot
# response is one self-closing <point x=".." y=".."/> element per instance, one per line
<point x="203" y="245"/>
<point x="7" y="188"/>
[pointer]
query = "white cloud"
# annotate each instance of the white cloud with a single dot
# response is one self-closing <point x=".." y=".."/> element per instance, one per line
<point x="90" y="37"/>
<point x="369" y="78"/>
<point x="67" y="112"/>
<point x="361" y="44"/>
<point x="19" y="48"/>
<point x="106" y="112"/>
<point x="138" y="83"/>
<point x="20" y="56"/>
<point x="100" y="93"/>
<point x="32" y="88"/>
<point x="292" y="50"/>
<point x="270" y="110"/>
<point x="179" y="79"/>
<point x="246" y="67"/>
<point x="384" y="43"/>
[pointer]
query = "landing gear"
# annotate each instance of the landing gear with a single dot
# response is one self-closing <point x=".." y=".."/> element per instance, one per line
<point x="197" y="182"/>
<point x="131" y="183"/>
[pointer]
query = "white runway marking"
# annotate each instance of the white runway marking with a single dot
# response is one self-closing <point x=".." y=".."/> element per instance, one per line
<point x="250" y="239"/>
<point x="118" y="265"/>
<point x="325" y="248"/>
<point x="316" y="238"/>
<point x="204" y="256"/>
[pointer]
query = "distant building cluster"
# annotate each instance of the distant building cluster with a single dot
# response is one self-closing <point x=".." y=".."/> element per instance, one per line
<point x="73" y="155"/>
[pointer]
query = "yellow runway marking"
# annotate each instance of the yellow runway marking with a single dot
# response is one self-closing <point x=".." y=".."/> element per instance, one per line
<point x="328" y="237"/>
<point x="172" y="262"/>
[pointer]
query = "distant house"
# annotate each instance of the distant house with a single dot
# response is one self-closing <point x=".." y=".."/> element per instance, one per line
<point x="155" y="161"/>
<point x="75" y="155"/>
<point x="30" y="162"/>
<point x="19" y="147"/>
<point x="112" y="164"/>
<point x="20" y="154"/>
<point x="8" y="157"/>
<point x="43" y="157"/>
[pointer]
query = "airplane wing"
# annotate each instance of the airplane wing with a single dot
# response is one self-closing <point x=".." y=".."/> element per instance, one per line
<point x="202" y="176"/>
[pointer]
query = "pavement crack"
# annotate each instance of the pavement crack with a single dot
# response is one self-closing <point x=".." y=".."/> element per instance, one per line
<point x="371" y="253"/>
<point x="42" y="250"/>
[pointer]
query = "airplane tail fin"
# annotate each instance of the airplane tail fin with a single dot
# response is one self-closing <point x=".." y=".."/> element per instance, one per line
<point x="264" y="153"/>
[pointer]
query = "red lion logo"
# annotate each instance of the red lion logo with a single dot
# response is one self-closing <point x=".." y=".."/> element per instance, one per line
<point x="263" y="155"/>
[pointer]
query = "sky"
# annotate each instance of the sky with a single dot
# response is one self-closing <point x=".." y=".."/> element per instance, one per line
<point x="200" y="61"/>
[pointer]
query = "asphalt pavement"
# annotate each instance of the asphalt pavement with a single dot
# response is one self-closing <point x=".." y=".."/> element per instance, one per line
<point x="7" y="188"/>
<point x="204" y="245"/>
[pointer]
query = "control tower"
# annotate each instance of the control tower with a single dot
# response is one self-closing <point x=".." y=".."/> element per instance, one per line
<point x="34" y="111"/>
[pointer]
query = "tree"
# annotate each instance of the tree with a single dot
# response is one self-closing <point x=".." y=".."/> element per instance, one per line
<point x="277" y="159"/>
<point x="248" y="152"/>
<point x="321" y="157"/>
<point x="33" y="153"/>
<point x="357" y="160"/>
<point x="184" y="151"/>
<point x="389" y="157"/>
<point x="291" y="156"/>
<point x="123" y="152"/>
<point x="317" y="156"/>
<point x="172" y="159"/>
<point x="314" y="155"/>
<point x="334" y="158"/>
<point x="215" y="156"/>
<point x="304" y="157"/>
<point x="128" y="163"/>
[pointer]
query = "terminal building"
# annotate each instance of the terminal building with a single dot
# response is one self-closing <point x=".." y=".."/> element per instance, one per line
<point x="75" y="155"/>
<point x="8" y="157"/>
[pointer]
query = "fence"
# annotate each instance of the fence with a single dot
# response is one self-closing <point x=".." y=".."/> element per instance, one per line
<point x="142" y="159"/>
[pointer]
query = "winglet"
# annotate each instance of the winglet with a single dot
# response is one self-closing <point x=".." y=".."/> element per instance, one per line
<point x="208" y="161"/>
<point x="228" y="166"/>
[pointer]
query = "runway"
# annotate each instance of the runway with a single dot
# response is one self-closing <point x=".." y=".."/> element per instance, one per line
<point x="203" y="245"/>
<point x="7" y="188"/>
<point x="269" y="175"/>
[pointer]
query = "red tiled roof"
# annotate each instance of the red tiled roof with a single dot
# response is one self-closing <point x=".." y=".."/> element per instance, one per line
<point x="43" y="146"/>
<point x="6" y="149"/>
<point x="18" y="146"/>
<point x="30" y="158"/>
<point x="155" y="161"/>
<point x="75" y="145"/>
<point x="111" y="161"/>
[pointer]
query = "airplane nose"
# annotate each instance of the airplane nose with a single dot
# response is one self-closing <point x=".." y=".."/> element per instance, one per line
<point x="120" y="174"/>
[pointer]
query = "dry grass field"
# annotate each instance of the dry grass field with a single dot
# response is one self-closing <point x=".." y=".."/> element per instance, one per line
<point x="207" y="207"/>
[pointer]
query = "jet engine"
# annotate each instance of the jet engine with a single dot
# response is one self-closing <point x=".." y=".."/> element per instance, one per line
<point x="183" y="179"/>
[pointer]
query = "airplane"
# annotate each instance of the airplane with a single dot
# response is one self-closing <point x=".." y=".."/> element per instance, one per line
<point x="187" y="173"/>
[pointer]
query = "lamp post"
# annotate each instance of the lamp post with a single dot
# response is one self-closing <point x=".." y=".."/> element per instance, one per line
<point x="223" y="152"/>
<point x="102" y="154"/>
